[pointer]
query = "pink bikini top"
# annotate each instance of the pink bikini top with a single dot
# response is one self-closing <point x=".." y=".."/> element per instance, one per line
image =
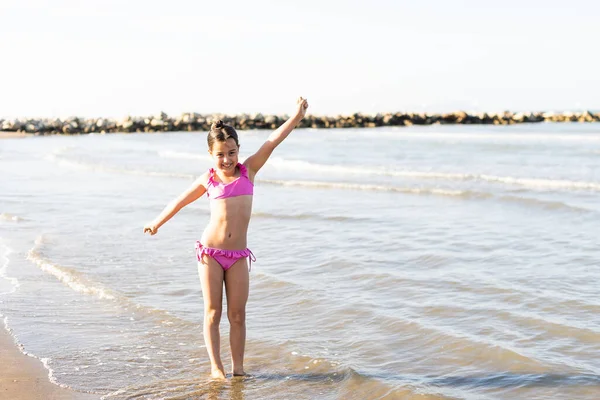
<point x="240" y="187"/>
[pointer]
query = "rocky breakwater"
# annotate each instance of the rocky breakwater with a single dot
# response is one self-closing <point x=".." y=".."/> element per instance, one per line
<point x="201" y="122"/>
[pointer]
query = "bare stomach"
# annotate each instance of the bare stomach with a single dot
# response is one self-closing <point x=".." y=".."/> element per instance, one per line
<point x="228" y="226"/>
<point x="225" y="236"/>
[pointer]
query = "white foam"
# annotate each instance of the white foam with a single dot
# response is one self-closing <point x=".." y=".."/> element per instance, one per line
<point x="454" y="176"/>
<point x="45" y="361"/>
<point x="367" y="187"/>
<point x="298" y="165"/>
<point x="81" y="284"/>
<point x="66" y="275"/>
<point x="540" y="182"/>
<point x="5" y="251"/>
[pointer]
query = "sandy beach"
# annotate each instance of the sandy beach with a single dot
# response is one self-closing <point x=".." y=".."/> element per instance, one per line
<point x="10" y="135"/>
<point x="25" y="378"/>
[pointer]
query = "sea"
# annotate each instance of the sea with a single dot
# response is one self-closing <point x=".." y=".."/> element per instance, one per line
<point x="424" y="262"/>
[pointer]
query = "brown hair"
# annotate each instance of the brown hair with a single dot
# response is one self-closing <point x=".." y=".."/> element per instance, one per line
<point x="221" y="132"/>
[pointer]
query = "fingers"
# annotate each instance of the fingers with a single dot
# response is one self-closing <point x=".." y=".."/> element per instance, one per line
<point x="302" y="102"/>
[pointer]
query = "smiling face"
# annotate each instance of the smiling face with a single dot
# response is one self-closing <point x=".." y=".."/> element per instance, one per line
<point x="225" y="155"/>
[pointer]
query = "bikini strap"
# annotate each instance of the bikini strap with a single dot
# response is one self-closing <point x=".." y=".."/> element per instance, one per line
<point x="211" y="177"/>
<point x="210" y="182"/>
<point x="251" y="258"/>
<point x="199" y="250"/>
<point x="243" y="170"/>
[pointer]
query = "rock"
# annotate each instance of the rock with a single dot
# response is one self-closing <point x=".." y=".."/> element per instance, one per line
<point x="193" y="121"/>
<point x="156" y="123"/>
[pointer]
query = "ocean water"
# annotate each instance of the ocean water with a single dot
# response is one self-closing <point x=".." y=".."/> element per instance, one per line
<point x="441" y="262"/>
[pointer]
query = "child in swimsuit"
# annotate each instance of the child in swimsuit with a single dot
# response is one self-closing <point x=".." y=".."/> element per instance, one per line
<point x="222" y="251"/>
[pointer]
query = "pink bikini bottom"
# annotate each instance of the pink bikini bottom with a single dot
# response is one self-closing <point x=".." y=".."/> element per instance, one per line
<point x="226" y="258"/>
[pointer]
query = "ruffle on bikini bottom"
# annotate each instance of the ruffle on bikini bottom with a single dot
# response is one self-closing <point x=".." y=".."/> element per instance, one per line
<point x="218" y="253"/>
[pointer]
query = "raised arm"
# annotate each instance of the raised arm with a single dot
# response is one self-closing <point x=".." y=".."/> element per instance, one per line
<point x="258" y="159"/>
<point x="192" y="193"/>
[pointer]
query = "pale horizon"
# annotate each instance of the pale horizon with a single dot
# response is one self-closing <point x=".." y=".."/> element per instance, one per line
<point x="114" y="59"/>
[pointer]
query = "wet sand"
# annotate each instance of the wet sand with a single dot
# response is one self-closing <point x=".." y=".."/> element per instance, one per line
<point x="25" y="378"/>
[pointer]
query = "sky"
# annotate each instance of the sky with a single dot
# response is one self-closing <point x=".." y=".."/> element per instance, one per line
<point x="114" y="58"/>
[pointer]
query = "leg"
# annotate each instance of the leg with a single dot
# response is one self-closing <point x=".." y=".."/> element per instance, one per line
<point x="237" y="286"/>
<point x="211" y="278"/>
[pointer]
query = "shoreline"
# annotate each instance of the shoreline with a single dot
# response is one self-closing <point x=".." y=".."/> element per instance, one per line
<point x="193" y="122"/>
<point x="25" y="378"/>
<point x="12" y="135"/>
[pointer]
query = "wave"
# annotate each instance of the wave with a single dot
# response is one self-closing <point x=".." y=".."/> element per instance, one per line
<point x="101" y="168"/>
<point x="548" y="205"/>
<point x="82" y="284"/>
<point x="5" y="251"/>
<point x="45" y="361"/>
<point x="299" y="165"/>
<point x="536" y="183"/>
<point x="68" y="276"/>
<point x="454" y="176"/>
<point x="317" y="184"/>
<point x="540" y="182"/>
<point x="377" y="188"/>
<point x="467" y="194"/>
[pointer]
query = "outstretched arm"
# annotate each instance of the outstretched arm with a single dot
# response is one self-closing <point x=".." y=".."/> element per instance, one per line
<point x="258" y="159"/>
<point x="194" y="192"/>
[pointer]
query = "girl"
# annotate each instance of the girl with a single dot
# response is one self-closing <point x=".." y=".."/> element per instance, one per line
<point x="222" y="250"/>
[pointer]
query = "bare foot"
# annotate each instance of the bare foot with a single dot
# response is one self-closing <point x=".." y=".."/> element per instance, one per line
<point x="217" y="373"/>
<point x="239" y="373"/>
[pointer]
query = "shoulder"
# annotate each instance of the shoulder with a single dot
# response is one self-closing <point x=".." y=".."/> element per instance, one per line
<point x="204" y="179"/>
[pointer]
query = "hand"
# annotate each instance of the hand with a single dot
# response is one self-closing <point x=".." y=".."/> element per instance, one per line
<point x="302" y="106"/>
<point x="151" y="229"/>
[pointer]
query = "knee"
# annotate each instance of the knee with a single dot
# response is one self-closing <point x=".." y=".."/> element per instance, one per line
<point x="236" y="317"/>
<point x="212" y="316"/>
